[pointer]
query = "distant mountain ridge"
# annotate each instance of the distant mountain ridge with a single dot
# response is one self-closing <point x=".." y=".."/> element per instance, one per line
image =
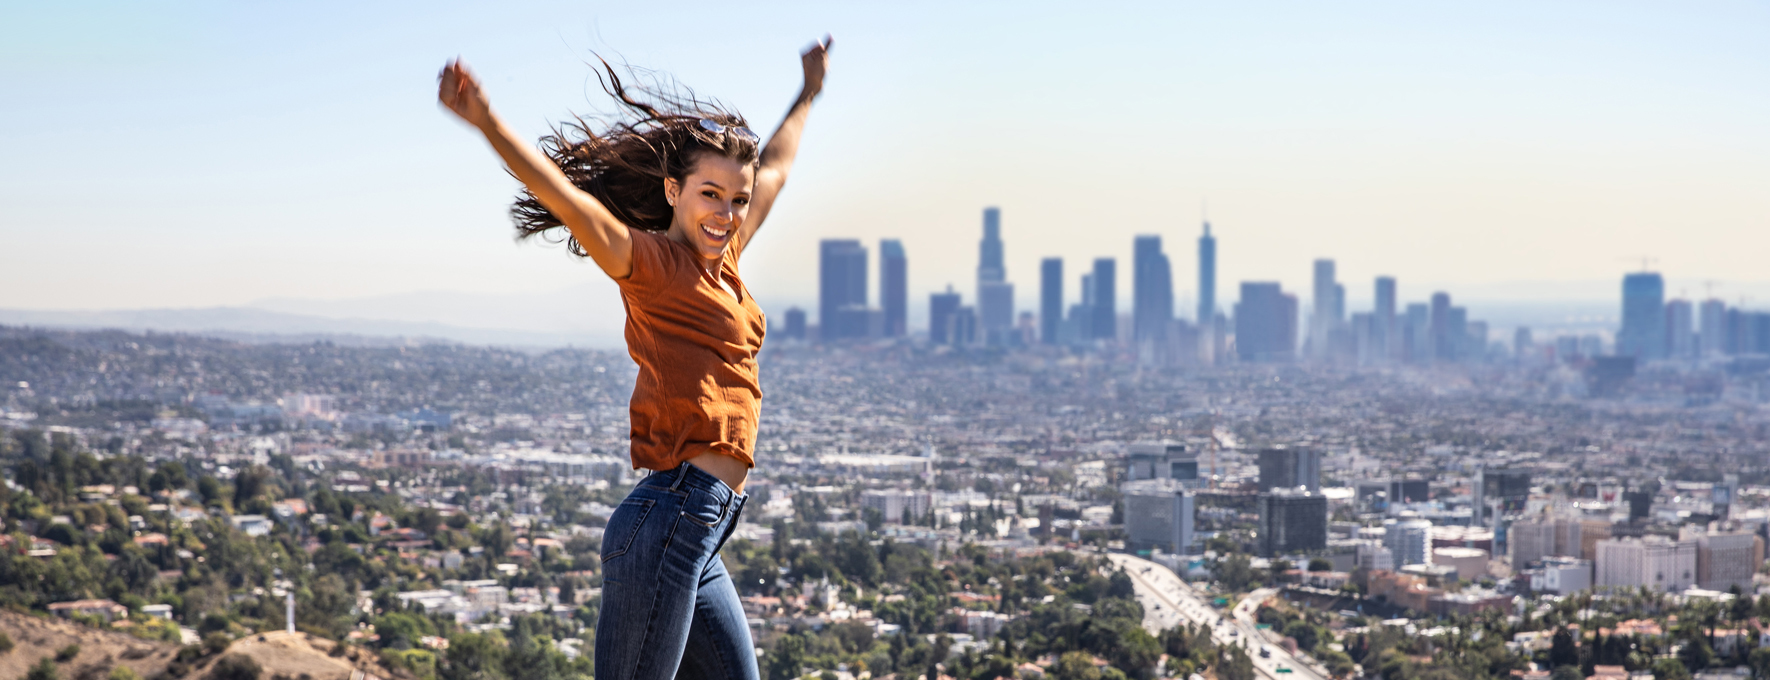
<point x="258" y="325"/>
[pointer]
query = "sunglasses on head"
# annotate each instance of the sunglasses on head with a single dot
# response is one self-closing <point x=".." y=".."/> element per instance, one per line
<point x="715" y="127"/>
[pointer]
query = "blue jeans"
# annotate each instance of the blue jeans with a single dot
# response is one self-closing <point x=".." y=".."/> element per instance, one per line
<point x="669" y="608"/>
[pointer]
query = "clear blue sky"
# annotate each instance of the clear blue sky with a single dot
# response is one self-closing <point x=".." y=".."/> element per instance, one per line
<point x="219" y="153"/>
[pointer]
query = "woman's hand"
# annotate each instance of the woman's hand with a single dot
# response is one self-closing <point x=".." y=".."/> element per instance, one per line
<point x="459" y="91"/>
<point x="816" y="60"/>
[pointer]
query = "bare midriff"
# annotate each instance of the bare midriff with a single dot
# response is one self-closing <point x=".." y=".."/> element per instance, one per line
<point x="729" y="470"/>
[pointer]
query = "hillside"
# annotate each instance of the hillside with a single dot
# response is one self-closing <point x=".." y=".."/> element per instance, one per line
<point x="298" y="656"/>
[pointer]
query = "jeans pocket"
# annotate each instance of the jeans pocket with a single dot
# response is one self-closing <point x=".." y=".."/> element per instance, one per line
<point x="703" y="509"/>
<point x="623" y="525"/>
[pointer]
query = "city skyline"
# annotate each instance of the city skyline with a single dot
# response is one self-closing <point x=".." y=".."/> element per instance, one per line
<point x="1593" y="135"/>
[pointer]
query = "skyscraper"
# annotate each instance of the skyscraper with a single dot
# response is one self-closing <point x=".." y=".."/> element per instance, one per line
<point x="1050" y="299"/>
<point x="989" y="251"/>
<point x="1383" y="329"/>
<point x="995" y="296"/>
<point x="1105" y="303"/>
<point x="1326" y="299"/>
<point x="1207" y="278"/>
<point x="842" y="287"/>
<point x="1680" y="329"/>
<point x="1643" y="333"/>
<point x="1152" y="290"/>
<point x="1712" y="334"/>
<point x="894" y="287"/>
<point x="941" y="308"/>
<point x="1287" y="468"/>
<point x="1417" y="332"/>
<point x="1291" y="521"/>
<point x="1443" y="346"/>
<point x="795" y="324"/>
<point x="1265" y="323"/>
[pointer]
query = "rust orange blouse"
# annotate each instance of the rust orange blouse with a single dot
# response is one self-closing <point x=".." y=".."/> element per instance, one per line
<point x="696" y="346"/>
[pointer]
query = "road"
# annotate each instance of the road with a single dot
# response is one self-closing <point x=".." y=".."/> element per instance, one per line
<point x="1168" y="600"/>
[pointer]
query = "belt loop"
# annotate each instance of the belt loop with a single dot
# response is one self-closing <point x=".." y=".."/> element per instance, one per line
<point x="681" y="472"/>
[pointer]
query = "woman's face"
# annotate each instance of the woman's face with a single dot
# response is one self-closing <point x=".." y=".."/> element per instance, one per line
<point x="711" y="204"/>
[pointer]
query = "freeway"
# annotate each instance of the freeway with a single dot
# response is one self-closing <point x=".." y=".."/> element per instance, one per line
<point x="1168" y="600"/>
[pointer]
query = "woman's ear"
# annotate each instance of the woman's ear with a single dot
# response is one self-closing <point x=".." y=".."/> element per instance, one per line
<point x="672" y="189"/>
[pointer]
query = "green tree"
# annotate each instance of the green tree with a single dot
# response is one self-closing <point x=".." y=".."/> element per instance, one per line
<point x="1305" y="635"/>
<point x="1670" y="669"/>
<point x="475" y="656"/>
<point x="787" y="657"/>
<point x="1567" y="673"/>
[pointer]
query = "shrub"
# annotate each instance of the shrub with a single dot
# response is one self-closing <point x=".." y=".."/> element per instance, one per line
<point x="67" y="653"/>
<point x="44" y="670"/>
<point x="214" y="643"/>
<point x="235" y="667"/>
<point x="123" y="673"/>
<point x="5" y="642"/>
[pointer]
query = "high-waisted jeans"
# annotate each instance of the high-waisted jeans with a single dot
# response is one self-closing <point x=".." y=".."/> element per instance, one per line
<point x="669" y="608"/>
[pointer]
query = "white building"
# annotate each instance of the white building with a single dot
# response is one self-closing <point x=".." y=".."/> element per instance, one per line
<point x="1373" y="555"/>
<point x="1562" y="576"/>
<point x="1409" y="540"/>
<point x="1654" y="561"/>
<point x="891" y="503"/>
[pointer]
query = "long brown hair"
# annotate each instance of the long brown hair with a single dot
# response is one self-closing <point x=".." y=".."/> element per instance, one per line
<point x="655" y="133"/>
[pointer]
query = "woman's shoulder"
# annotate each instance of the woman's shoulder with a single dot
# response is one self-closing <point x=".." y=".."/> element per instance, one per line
<point x="656" y="258"/>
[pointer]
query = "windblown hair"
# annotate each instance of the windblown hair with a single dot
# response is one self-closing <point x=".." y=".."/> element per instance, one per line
<point x="655" y="133"/>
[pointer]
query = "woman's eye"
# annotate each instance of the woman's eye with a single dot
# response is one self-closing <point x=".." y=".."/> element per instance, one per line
<point x="742" y="201"/>
<point x="708" y="194"/>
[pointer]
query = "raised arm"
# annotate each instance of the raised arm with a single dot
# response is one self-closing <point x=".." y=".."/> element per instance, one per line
<point x="603" y="236"/>
<point x="783" y="145"/>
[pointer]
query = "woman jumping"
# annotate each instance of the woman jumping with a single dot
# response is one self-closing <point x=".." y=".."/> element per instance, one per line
<point x="665" y="200"/>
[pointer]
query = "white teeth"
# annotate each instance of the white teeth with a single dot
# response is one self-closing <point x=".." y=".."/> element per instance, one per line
<point x="715" y="233"/>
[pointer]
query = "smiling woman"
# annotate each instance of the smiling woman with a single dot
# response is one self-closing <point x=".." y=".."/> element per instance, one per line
<point x="665" y="198"/>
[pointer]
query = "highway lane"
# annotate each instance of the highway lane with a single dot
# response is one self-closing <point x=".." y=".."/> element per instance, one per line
<point x="1168" y="600"/>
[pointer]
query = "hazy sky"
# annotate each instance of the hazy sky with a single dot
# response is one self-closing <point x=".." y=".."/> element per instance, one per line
<point x="219" y="153"/>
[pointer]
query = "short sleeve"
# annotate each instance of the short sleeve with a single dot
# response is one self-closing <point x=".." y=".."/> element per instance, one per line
<point x="654" y="265"/>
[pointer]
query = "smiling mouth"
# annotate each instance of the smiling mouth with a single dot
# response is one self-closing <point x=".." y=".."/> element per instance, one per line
<point x="717" y="235"/>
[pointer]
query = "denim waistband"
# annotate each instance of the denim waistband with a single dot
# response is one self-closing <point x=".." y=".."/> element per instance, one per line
<point x="687" y="475"/>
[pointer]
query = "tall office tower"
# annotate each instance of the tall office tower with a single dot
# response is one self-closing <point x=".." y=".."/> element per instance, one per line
<point x="1383" y="329"/>
<point x="795" y="324"/>
<point x="1291" y="521"/>
<point x="1105" y="305"/>
<point x="894" y="287"/>
<point x="1158" y="514"/>
<point x="1680" y="329"/>
<point x="941" y="308"/>
<point x="1152" y="290"/>
<point x="1643" y="333"/>
<point x="1265" y="324"/>
<point x="1326" y="300"/>
<point x="1500" y="491"/>
<point x="1442" y="348"/>
<point x="1456" y="333"/>
<point x="995" y="296"/>
<point x="1418" y="330"/>
<point x="1289" y="468"/>
<point x="1050" y="299"/>
<point x="1712" y="334"/>
<point x="842" y="287"/>
<point x="1522" y="345"/>
<point x="1207" y="278"/>
<point x="989" y="251"/>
